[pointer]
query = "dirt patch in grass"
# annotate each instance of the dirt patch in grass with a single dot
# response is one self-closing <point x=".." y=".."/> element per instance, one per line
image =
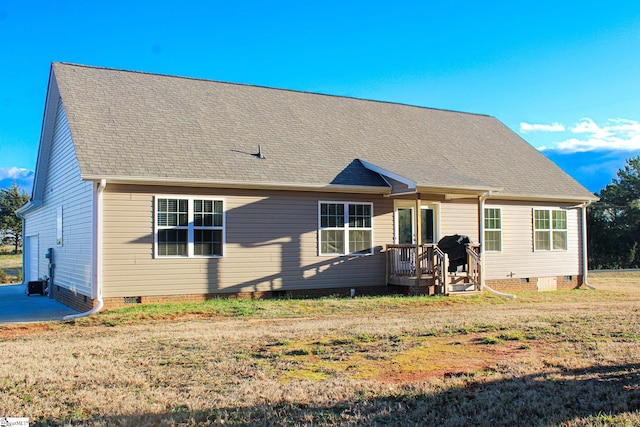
<point x="12" y="331"/>
<point x="444" y="358"/>
<point x="571" y="360"/>
<point x="394" y="359"/>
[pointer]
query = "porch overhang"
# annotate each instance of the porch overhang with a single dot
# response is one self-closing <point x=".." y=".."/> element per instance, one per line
<point x="463" y="186"/>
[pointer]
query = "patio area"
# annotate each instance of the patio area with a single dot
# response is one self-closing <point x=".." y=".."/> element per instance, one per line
<point x="17" y="307"/>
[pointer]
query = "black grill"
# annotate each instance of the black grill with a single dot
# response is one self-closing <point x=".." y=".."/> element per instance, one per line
<point x="455" y="247"/>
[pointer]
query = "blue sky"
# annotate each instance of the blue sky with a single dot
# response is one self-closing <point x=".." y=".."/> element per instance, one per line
<point x="563" y="75"/>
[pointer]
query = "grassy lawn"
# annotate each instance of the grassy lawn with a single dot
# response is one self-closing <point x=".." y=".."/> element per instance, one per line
<point x="11" y="264"/>
<point x="568" y="358"/>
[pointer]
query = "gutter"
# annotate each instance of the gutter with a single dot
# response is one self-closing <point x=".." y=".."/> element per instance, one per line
<point x="483" y="286"/>
<point x="546" y="198"/>
<point x="98" y="255"/>
<point x="28" y="207"/>
<point x="585" y="258"/>
<point x="185" y="182"/>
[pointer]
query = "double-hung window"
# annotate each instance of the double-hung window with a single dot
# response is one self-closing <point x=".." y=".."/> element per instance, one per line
<point x="345" y="228"/>
<point x="550" y="229"/>
<point x="189" y="227"/>
<point x="492" y="229"/>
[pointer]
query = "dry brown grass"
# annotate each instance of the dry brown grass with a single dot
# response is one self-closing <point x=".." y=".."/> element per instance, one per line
<point x="567" y="358"/>
<point x="11" y="265"/>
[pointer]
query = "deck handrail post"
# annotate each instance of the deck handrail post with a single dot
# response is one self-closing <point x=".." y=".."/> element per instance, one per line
<point x="434" y="267"/>
<point x="418" y="264"/>
<point x="386" y="264"/>
<point x="470" y="264"/>
<point x="445" y="274"/>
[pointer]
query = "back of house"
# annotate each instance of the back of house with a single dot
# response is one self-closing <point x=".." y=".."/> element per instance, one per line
<point x="159" y="188"/>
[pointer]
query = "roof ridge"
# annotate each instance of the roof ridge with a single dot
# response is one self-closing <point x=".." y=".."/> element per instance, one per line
<point x="250" y="85"/>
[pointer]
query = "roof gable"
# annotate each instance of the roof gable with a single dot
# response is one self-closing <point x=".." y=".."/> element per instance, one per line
<point x="46" y="137"/>
<point x="138" y="126"/>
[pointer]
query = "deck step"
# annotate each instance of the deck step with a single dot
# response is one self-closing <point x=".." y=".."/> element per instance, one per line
<point x="456" y="293"/>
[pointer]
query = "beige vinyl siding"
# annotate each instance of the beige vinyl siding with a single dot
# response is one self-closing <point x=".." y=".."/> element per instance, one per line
<point x="518" y="256"/>
<point x="271" y="244"/>
<point x="64" y="188"/>
<point x="460" y="217"/>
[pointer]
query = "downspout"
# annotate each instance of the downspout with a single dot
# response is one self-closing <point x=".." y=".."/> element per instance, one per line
<point x="483" y="285"/>
<point x="19" y="215"/>
<point x="585" y="258"/>
<point x="98" y="251"/>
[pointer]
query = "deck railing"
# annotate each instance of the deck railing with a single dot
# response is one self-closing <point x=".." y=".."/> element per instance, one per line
<point x="441" y="275"/>
<point x="433" y="262"/>
<point x="402" y="259"/>
<point x="474" y="267"/>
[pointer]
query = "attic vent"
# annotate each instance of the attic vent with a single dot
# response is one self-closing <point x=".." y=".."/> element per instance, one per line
<point x="132" y="300"/>
<point x="259" y="153"/>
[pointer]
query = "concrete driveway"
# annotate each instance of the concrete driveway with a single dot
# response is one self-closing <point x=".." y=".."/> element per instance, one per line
<point x="17" y="307"/>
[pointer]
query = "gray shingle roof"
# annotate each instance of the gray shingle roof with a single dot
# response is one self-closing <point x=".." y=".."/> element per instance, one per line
<point x="154" y="127"/>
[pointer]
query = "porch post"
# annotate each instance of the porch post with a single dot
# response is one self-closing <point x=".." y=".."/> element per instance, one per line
<point x="418" y="231"/>
<point x="481" y="200"/>
<point x="481" y="224"/>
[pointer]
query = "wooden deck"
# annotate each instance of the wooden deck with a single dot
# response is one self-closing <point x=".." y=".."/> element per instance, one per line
<point x="423" y="269"/>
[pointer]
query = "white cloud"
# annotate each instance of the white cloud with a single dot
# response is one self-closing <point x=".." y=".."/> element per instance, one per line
<point x="614" y="135"/>
<point x="15" y="173"/>
<point x="20" y="176"/>
<point x="528" y="127"/>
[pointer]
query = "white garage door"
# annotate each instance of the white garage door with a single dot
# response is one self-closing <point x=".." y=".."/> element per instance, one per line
<point x="31" y="258"/>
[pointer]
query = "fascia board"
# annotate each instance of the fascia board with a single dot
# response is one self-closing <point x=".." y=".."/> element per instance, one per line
<point x="240" y="185"/>
<point x="406" y="181"/>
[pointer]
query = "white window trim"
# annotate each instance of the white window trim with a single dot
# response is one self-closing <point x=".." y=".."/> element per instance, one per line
<point x="435" y="208"/>
<point x="190" y="226"/>
<point x="550" y="229"/>
<point x="59" y="226"/>
<point x="345" y="228"/>
<point x="492" y="229"/>
<point x="396" y="224"/>
<point x="411" y="204"/>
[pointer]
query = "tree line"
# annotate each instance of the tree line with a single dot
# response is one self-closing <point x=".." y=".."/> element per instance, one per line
<point x="614" y="221"/>
<point x="10" y="225"/>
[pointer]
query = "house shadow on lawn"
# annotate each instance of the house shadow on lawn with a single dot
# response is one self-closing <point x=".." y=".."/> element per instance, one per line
<point x="547" y="398"/>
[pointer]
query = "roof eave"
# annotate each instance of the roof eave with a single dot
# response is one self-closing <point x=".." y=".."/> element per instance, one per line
<point x="30" y="206"/>
<point x="546" y="198"/>
<point x="182" y="182"/>
<point x="46" y="138"/>
<point x="458" y="190"/>
<point x="416" y="187"/>
<point x="387" y="173"/>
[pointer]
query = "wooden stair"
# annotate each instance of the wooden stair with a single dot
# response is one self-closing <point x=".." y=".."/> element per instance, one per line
<point x="461" y="288"/>
<point x="460" y="293"/>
